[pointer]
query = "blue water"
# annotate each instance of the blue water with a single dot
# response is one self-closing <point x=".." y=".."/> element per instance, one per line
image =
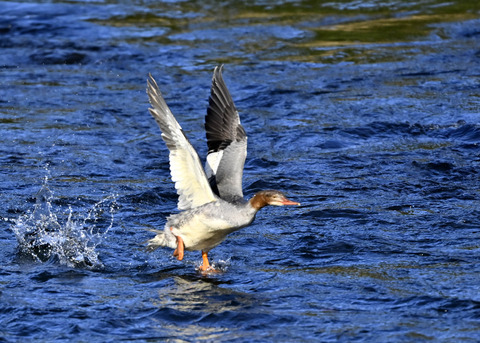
<point x="368" y="113"/>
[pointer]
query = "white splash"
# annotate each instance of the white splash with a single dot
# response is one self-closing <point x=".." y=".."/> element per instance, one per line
<point x="70" y="241"/>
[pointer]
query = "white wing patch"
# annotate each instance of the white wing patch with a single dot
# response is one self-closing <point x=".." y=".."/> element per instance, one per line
<point x="185" y="167"/>
<point x="212" y="163"/>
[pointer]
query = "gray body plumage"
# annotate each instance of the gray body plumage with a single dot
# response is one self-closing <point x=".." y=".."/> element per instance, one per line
<point x="204" y="227"/>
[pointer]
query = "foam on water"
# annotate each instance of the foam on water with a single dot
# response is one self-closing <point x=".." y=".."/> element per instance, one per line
<point x="48" y="234"/>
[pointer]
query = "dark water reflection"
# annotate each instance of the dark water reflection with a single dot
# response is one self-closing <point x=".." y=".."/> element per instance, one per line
<point x="367" y="112"/>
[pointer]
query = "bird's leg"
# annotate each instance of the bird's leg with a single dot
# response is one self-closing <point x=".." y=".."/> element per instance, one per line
<point x="206" y="265"/>
<point x="179" y="252"/>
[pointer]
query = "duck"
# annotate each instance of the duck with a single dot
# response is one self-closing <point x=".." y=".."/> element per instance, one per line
<point x="210" y="200"/>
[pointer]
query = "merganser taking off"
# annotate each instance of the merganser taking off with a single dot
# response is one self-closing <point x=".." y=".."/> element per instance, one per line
<point x="211" y="201"/>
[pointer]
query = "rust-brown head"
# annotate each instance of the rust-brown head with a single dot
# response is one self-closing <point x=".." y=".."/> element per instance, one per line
<point x="270" y="197"/>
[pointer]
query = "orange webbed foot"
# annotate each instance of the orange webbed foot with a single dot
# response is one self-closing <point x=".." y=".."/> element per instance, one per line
<point x="206" y="267"/>
<point x="180" y="251"/>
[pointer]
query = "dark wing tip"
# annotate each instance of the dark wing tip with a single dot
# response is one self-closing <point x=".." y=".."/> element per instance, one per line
<point x="222" y="122"/>
<point x="217" y="73"/>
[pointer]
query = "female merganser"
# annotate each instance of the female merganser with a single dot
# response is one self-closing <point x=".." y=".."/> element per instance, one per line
<point x="211" y="201"/>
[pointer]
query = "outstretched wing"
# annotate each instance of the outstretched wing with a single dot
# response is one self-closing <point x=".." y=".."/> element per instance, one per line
<point x="185" y="167"/>
<point x="226" y="140"/>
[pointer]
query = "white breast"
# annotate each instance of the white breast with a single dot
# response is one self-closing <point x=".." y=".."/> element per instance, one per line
<point x="203" y="233"/>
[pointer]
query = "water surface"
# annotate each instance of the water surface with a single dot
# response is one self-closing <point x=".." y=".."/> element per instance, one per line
<point x="367" y="112"/>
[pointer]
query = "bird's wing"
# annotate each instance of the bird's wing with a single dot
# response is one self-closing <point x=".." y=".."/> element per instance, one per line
<point x="185" y="167"/>
<point x="226" y="140"/>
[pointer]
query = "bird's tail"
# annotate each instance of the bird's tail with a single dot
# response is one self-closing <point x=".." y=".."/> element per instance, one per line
<point x="158" y="241"/>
